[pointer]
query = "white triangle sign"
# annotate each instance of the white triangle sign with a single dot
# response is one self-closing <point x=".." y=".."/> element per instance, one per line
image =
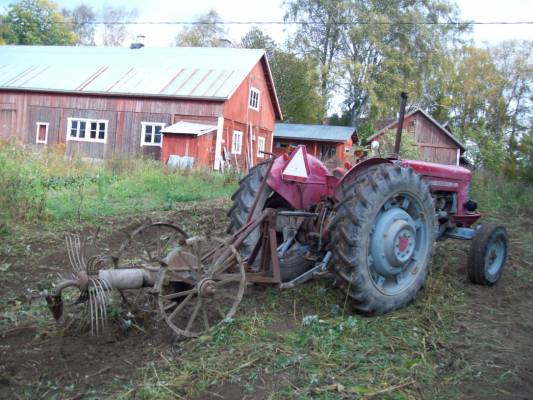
<point x="297" y="167"/>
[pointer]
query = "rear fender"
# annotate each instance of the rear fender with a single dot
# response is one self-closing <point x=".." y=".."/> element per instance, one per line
<point x="355" y="171"/>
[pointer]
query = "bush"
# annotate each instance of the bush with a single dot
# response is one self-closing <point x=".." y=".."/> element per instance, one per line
<point x="24" y="190"/>
<point x="497" y="192"/>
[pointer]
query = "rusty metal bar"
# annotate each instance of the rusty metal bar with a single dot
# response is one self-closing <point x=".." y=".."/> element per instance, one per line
<point x="261" y="190"/>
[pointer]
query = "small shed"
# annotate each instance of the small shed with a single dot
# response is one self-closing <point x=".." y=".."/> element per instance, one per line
<point x="322" y="141"/>
<point x="189" y="140"/>
<point x="437" y="143"/>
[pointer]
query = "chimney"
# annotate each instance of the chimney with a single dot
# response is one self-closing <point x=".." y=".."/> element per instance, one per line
<point x="139" y="42"/>
<point x="223" y="42"/>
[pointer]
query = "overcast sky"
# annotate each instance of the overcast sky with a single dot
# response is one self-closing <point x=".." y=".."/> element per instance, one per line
<point x="271" y="10"/>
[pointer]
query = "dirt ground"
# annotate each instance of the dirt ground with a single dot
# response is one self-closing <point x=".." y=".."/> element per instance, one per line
<point x="495" y="333"/>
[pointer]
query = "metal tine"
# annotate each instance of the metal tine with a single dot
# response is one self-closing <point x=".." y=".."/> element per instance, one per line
<point x="81" y="259"/>
<point x="95" y="314"/>
<point x="68" y="242"/>
<point x="98" y="299"/>
<point x="91" y="312"/>
<point x="95" y="300"/>
<point x="73" y="250"/>
<point x="103" y="298"/>
<point x="103" y="304"/>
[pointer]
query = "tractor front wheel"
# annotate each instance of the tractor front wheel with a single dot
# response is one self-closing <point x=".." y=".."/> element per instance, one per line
<point x="382" y="239"/>
<point x="488" y="253"/>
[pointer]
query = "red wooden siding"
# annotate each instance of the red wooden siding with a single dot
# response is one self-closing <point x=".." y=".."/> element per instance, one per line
<point x="252" y="123"/>
<point x="20" y="111"/>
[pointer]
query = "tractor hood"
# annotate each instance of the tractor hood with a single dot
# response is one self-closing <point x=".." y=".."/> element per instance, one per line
<point x="432" y="170"/>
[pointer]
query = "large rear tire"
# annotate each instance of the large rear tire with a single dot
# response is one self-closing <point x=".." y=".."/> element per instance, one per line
<point x="294" y="262"/>
<point x="382" y="239"/>
<point x="243" y="200"/>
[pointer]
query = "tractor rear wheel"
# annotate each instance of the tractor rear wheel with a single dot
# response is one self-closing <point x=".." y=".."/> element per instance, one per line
<point x="382" y="238"/>
<point x="293" y="263"/>
<point x="488" y="253"/>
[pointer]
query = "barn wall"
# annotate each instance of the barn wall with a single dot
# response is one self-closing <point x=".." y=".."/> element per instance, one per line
<point x="238" y="116"/>
<point x="435" y="146"/>
<point x="20" y="111"/>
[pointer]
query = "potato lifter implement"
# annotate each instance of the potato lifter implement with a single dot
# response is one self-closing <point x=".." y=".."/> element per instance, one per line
<point x="372" y="226"/>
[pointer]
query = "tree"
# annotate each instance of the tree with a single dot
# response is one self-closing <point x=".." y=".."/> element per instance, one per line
<point x="36" y="22"/>
<point x="319" y="36"/>
<point x="514" y="61"/>
<point x="255" y="38"/>
<point x="115" y="31"/>
<point x="297" y="85"/>
<point x="295" y="78"/>
<point x="387" y="48"/>
<point x="206" y="32"/>
<point x="83" y="17"/>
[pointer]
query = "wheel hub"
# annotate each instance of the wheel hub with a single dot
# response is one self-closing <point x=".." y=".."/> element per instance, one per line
<point x="207" y="288"/>
<point x="393" y="241"/>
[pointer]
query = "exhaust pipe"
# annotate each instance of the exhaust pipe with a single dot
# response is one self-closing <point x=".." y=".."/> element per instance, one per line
<point x="399" y="130"/>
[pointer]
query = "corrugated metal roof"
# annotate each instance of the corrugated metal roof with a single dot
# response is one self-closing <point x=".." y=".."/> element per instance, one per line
<point x="210" y="73"/>
<point x="323" y="133"/>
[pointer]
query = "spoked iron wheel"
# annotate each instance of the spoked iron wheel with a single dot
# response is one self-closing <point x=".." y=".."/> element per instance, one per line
<point x="147" y="247"/>
<point x="209" y="290"/>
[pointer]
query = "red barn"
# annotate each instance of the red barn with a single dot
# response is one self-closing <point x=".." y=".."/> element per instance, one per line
<point x="204" y="106"/>
<point x="437" y="143"/>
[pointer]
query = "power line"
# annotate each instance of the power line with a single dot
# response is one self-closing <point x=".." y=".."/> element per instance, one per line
<point x="370" y="23"/>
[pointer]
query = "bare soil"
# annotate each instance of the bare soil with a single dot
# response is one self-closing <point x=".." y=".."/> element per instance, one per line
<point x="495" y="334"/>
<point x="497" y="329"/>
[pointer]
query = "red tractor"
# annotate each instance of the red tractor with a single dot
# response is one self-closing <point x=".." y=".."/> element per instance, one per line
<point x="372" y="225"/>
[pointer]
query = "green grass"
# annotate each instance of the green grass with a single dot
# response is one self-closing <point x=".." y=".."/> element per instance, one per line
<point x="146" y="189"/>
<point x="48" y="187"/>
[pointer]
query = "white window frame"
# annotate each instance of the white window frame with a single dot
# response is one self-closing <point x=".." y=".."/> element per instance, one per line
<point x="87" y="137"/>
<point x="235" y="150"/>
<point x="38" y="124"/>
<point x="153" y="125"/>
<point x="261" y="142"/>
<point x="253" y="102"/>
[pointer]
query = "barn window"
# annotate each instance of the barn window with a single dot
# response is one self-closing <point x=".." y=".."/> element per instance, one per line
<point x="281" y="145"/>
<point x="42" y="132"/>
<point x="87" y="130"/>
<point x="236" y="145"/>
<point x="254" y="99"/>
<point x="151" y="134"/>
<point x="260" y="146"/>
